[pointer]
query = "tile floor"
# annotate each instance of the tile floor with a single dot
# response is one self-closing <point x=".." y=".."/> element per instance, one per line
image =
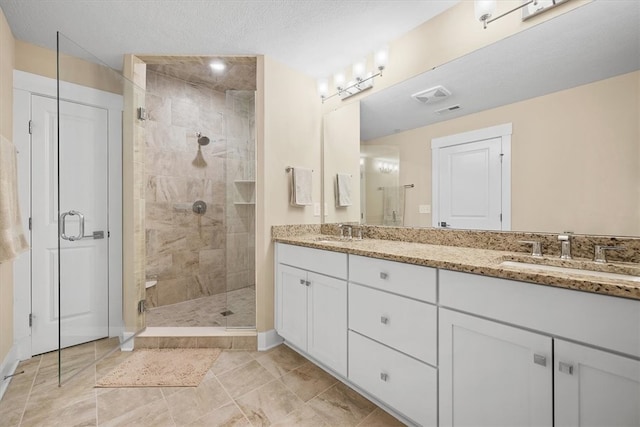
<point x="206" y="311"/>
<point x="243" y="388"/>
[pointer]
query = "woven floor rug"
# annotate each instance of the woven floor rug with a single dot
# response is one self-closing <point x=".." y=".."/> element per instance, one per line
<point x="179" y="367"/>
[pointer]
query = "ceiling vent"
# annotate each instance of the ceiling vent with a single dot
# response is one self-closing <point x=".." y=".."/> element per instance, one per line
<point x="449" y="109"/>
<point x="429" y="96"/>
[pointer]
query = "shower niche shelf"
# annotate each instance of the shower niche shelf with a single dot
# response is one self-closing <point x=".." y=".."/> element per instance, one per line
<point x="245" y="192"/>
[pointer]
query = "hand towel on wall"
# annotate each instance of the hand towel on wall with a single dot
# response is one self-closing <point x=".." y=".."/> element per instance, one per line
<point x="12" y="239"/>
<point x="343" y="190"/>
<point x="301" y="189"/>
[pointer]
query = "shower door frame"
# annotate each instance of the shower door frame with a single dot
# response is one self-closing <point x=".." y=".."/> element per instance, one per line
<point x="27" y="84"/>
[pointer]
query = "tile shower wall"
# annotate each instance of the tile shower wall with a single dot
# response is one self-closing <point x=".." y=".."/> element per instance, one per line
<point x="189" y="254"/>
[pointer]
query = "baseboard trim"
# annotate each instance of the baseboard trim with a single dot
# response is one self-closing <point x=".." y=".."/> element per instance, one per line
<point x="268" y="340"/>
<point x="7" y="368"/>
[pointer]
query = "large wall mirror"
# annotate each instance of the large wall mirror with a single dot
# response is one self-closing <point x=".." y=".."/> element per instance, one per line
<point x="570" y="89"/>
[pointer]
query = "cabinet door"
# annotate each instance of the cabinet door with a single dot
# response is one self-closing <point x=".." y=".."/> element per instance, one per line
<point x="493" y="374"/>
<point x="291" y="309"/>
<point x="327" y="327"/>
<point x="595" y="387"/>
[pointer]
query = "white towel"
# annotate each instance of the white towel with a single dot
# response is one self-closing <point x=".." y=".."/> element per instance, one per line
<point x="301" y="190"/>
<point x="393" y="205"/>
<point x="12" y="239"/>
<point x="343" y="189"/>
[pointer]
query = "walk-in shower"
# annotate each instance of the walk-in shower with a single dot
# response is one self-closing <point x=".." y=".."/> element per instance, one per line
<point x="200" y="263"/>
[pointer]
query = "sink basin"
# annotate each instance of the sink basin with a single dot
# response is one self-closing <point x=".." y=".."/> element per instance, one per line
<point x="569" y="270"/>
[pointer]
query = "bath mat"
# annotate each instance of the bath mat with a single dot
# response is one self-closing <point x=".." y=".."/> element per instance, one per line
<point x="171" y="367"/>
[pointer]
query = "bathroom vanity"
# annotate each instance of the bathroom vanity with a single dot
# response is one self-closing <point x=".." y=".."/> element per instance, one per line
<point x="442" y="335"/>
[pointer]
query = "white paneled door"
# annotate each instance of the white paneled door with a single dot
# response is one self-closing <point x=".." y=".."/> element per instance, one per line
<point x="80" y="265"/>
<point x="470" y="179"/>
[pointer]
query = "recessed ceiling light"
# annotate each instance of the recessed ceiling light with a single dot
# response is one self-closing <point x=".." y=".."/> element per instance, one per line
<point x="218" y="66"/>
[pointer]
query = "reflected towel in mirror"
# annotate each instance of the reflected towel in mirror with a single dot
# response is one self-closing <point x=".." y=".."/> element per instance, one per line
<point x="343" y="190"/>
<point x="301" y="189"/>
<point x="393" y="205"/>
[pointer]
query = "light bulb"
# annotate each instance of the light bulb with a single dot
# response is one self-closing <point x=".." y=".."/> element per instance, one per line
<point x="218" y="66"/>
<point x="381" y="58"/>
<point x="484" y="9"/>
<point x="323" y="88"/>
<point x="338" y="81"/>
<point x="359" y="69"/>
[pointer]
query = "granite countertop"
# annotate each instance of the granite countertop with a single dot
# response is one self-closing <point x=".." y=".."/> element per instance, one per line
<point x="481" y="261"/>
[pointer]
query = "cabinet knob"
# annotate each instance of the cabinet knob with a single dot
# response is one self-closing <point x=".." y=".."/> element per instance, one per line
<point x="308" y="283"/>
<point x="384" y="320"/>
<point x="566" y="368"/>
<point x="384" y="275"/>
<point x="539" y="359"/>
<point x="303" y="282"/>
<point x="384" y="377"/>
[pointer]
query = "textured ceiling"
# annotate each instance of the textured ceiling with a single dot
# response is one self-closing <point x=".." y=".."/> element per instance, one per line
<point x="315" y="37"/>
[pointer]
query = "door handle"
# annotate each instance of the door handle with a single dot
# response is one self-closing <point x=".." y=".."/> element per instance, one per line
<point x="80" y="235"/>
<point x="63" y="226"/>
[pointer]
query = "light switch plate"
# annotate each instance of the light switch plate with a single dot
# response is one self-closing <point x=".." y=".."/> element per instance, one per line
<point x="424" y="209"/>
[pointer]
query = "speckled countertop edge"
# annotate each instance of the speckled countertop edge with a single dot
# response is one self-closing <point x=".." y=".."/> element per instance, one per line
<point x="468" y="260"/>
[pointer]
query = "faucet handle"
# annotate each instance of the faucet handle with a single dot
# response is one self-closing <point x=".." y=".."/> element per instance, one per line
<point x="600" y="254"/>
<point x="536" y="247"/>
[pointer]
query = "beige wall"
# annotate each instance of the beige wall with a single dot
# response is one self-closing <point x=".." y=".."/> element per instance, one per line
<point x="288" y="123"/>
<point x="572" y="168"/>
<point x="6" y="130"/>
<point x="38" y="60"/>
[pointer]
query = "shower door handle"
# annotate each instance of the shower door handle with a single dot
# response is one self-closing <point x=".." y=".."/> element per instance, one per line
<point x="80" y="235"/>
<point x="63" y="226"/>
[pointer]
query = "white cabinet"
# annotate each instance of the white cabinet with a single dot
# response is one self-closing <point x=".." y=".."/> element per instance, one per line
<point x="393" y="335"/>
<point x="311" y="308"/>
<point x="595" y="387"/>
<point x="493" y="374"/>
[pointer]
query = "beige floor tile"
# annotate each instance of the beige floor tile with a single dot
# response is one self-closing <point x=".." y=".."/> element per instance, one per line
<point x="11" y="414"/>
<point x="81" y="413"/>
<point x="47" y="396"/>
<point x="341" y="406"/>
<point x="304" y="417"/>
<point x="379" y="418"/>
<point x="154" y="414"/>
<point x="245" y="378"/>
<point x="281" y="360"/>
<point x="227" y="416"/>
<point x="269" y="403"/>
<point x="119" y="401"/>
<point x="191" y="403"/>
<point x="229" y="360"/>
<point x="308" y="381"/>
<point x="110" y="362"/>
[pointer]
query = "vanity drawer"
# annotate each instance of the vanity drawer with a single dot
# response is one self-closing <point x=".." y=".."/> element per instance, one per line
<point x="408" y="386"/>
<point x="405" y="324"/>
<point x="410" y="280"/>
<point x="324" y="262"/>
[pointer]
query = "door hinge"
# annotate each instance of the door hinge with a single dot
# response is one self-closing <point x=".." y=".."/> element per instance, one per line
<point x="501" y="157"/>
<point x="108" y="234"/>
<point x="30" y="223"/>
<point x="30" y="127"/>
<point x="500" y="217"/>
<point x="30" y="319"/>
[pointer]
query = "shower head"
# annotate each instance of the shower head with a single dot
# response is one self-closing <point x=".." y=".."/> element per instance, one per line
<point x="202" y="140"/>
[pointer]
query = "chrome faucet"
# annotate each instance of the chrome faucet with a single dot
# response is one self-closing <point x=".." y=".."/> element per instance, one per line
<point x="565" y="245"/>
<point x="536" y="247"/>
<point x="600" y="255"/>
<point x="348" y="228"/>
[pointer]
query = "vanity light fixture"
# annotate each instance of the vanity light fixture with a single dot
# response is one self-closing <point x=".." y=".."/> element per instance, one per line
<point x="362" y="79"/>
<point x="385" y="167"/>
<point x="484" y="9"/>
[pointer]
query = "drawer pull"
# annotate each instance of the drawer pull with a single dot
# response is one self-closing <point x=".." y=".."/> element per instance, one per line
<point x="539" y="359"/>
<point x="384" y="276"/>
<point x="302" y="281"/>
<point x="384" y="320"/>
<point x="308" y="283"/>
<point x="567" y="368"/>
<point x="384" y="377"/>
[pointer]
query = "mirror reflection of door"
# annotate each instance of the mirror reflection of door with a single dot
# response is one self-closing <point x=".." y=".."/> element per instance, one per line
<point x="471" y="180"/>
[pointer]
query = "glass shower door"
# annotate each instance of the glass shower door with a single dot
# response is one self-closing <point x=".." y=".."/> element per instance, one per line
<point x="85" y="163"/>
